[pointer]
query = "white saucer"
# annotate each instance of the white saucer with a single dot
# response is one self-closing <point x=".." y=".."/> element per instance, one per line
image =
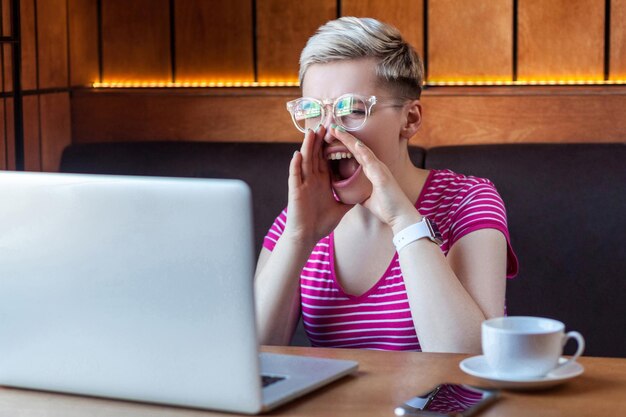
<point x="477" y="366"/>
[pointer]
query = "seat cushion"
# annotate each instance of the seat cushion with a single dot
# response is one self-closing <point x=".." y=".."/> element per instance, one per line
<point x="566" y="207"/>
<point x="264" y="166"/>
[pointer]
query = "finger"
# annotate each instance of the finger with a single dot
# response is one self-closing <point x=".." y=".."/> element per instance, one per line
<point x="317" y="148"/>
<point x="363" y="155"/>
<point x="375" y="170"/>
<point x="295" y="171"/>
<point x="322" y="165"/>
<point x="306" y="151"/>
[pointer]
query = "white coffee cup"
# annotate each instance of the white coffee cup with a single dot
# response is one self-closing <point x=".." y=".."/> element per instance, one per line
<point x="518" y="347"/>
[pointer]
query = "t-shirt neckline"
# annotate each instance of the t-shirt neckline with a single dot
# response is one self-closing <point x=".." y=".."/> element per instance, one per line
<point x="392" y="263"/>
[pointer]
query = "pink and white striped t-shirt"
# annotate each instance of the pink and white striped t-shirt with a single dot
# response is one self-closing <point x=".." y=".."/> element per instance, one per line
<point x="381" y="318"/>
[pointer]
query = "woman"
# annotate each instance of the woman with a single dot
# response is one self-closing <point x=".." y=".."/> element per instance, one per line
<point x="356" y="251"/>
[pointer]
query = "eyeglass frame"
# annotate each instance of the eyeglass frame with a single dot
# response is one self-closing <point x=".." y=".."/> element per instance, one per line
<point x="369" y="103"/>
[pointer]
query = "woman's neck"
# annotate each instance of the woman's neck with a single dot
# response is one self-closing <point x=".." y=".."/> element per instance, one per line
<point x="410" y="178"/>
<point x="411" y="182"/>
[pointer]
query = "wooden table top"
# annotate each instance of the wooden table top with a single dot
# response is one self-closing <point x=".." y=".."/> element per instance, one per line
<point x="383" y="381"/>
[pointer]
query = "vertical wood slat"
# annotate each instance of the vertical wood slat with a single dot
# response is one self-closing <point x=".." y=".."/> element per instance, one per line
<point x="136" y="40"/>
<point x="561" y="39"/>
<point x="83" y="42"/>
<point x="32" y="142"/>
<point x="213" y="40"/>
<point x="6" y="17"/>
<point x="10" y="133"/>
<point x="5" y="31"/>
<point x="3" y="143"/>
<point x="55" y="129"/>
<point x="7" y="68"/>
<point x="28" y="44"/>
<point x="5" y="8"/>
<point x="283" y="27"/>
<point x="6" y="48"/>
<point x="617" y="62"/>
<point x="52" y="44"/>
<point x="470" y="40"/>
<point x="406" y="15"/>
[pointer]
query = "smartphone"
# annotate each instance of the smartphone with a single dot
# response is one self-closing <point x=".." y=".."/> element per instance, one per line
<point x="448" y="400"/>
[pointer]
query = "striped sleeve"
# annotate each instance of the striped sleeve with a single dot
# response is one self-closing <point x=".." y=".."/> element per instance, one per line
<point x="275" y="231"/>
<point x="483" y="208"/>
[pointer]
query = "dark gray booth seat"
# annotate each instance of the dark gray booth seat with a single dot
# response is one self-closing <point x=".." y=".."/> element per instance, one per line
<point x="566" y="207"/>
<point x="264" y="166"/>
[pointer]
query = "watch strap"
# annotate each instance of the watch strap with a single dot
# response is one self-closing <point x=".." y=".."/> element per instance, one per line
<point x="416" y="231"/>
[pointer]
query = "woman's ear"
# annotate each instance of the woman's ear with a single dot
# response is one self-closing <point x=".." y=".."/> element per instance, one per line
<point x="413" y="119"/>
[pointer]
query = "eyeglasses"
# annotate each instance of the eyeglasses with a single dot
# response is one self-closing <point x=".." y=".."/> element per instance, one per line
<point x="350" y="111"/>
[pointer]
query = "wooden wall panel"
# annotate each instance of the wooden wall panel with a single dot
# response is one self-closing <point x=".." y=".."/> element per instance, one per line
<point x="52" y="43"/>
<point x="524" y="114"/>
<point x="6" y="49"/>
<point x="3" y="142"/>
<point x="136" y="40"/>
<point x="32" y="142"/>
<point x="6" y="17"/>
<point x="406" y="15"/>
<point x="617" y="61"/>
<point x="214" y="40"/>
<point x="470" y="40"/>
<point x="55" y="129"/>
<point x="28" y="43"/>
<point x="83" y="42"/>
<point x="283" y="27"/>
<point x="7" y="58"/>
<point x="10" y="133"/>
<point x="561" y="39"/>
<point x="452" y="116"/>
<point x="105" y="117"/>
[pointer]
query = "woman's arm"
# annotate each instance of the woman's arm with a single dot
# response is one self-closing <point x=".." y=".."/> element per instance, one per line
<point x="277" y="291"/>
<point x="449" y="298"/>
<point x="312" y="213"/>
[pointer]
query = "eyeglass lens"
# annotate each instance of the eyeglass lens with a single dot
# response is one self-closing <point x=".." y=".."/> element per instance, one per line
<point x="350" y="113"/>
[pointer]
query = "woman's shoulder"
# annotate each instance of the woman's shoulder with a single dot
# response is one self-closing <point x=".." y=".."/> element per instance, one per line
<point x="446" y="181"/>
<point x="446" y="192"/>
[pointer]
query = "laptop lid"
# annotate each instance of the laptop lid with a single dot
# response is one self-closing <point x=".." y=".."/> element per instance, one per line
<point x="129" y="287"/>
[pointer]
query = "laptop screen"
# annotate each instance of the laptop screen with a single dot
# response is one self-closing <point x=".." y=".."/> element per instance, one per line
<point x="127" y="287"/>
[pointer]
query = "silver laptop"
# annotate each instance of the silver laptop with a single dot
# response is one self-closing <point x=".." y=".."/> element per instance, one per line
<point x="138" y="288"/>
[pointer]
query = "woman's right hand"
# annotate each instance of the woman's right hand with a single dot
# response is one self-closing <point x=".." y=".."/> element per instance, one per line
<point x="312" y="210"/>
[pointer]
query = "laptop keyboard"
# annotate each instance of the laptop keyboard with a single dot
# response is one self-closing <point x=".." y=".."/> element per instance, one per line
<point x="270" y="379"/>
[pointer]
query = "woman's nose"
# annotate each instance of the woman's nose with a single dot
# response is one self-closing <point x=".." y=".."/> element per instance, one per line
<point x="328" y="137"/>
<point x="328" y="120"/>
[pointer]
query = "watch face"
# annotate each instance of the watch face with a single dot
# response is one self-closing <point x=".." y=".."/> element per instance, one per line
<point x="434" y="232"/>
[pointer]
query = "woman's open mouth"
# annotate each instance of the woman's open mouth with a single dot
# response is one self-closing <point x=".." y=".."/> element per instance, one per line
<point x="343" y="166"/>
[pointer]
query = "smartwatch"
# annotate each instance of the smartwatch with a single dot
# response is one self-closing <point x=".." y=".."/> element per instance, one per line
<point x="425" y="228"/>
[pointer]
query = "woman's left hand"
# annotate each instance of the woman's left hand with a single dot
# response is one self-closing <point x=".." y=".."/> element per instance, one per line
<point x="388" y="201"/>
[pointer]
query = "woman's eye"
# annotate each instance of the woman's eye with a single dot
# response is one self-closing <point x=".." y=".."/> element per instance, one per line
<point x="355" y="113"/>
<point x="351" y="112"/>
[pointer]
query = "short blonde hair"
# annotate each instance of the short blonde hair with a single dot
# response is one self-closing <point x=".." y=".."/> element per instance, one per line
<point x="399" y="66"/>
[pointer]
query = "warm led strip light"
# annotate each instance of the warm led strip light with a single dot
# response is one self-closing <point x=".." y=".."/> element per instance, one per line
<point x="221" y="84"/>
<point x="523" y="83"/>
<point x="194" y="84"/>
